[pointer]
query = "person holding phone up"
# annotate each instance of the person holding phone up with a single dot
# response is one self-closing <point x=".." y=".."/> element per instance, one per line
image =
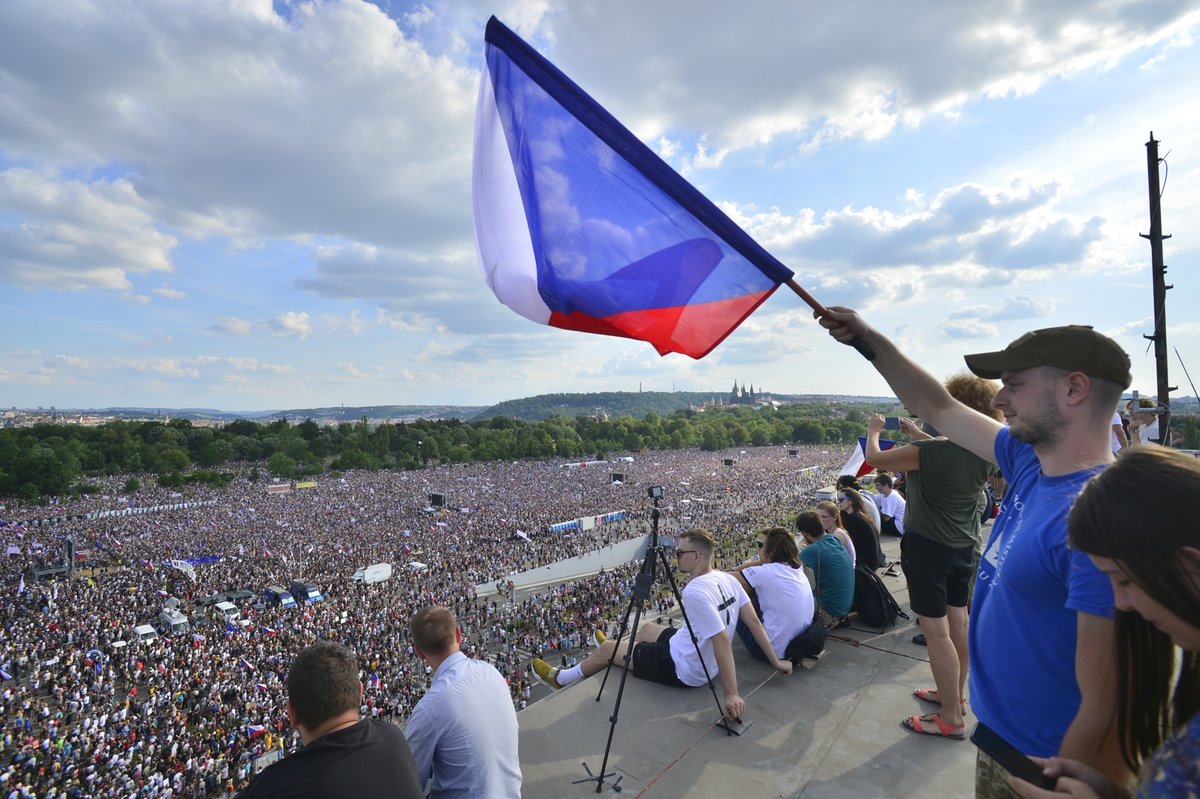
<point x="938" y="551"/>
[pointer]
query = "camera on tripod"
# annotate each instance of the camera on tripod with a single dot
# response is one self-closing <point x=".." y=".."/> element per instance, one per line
<point x="655" y="492"/>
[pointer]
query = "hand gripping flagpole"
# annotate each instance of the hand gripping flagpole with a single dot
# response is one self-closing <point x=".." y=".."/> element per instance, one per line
<point x="857" y="343"/>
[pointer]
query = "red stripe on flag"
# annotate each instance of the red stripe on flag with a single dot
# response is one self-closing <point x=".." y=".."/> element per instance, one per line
<point x="692" y="330"/>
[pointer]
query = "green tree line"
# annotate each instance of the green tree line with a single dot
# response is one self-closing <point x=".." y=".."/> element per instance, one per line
<point x="49" y="460"/>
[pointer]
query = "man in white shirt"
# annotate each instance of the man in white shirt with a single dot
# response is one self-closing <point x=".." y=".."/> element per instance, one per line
<point x="891" y="505"/>
<point x="714" y="602"/>
<point x="463" y="732"/>
<point x="1118" y="439"/>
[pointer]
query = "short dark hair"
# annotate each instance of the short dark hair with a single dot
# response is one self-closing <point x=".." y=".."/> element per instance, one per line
<point x="433" y="630"/>
<point x="809" y="523"/>
<point x="323" y="683"/>
<point x="884" y="479"/>
<point x="848" y="481"/>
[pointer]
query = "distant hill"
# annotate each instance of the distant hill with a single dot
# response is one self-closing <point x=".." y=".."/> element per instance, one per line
<point x="394" y="413"/>
<point x="332" y="415"/>
<point x="613" y="403"/>
<point x="531" y="409"/>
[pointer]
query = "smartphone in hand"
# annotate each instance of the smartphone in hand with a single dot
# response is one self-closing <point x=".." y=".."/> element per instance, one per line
<point x="1009" y="757"/>
<point x="891" y="423"/>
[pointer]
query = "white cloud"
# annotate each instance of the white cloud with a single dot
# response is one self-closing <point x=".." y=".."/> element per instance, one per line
<point x="847" y="70"/>
<point x="233" y="326"/>
<point x="234" y="119"/>
<point x="968" y="328"/>
<point x="352" y="324"/>
<point x="290" y="323"/>
<point x="169" y="293"/>
<point x="1008" y="308"/>
<point x="65" y="234"/>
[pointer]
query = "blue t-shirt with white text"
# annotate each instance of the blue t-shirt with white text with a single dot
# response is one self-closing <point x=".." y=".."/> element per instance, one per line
<point x="1028" y="592"/>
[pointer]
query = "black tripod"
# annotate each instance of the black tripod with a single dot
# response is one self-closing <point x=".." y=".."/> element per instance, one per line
<point x="642" y="587"/>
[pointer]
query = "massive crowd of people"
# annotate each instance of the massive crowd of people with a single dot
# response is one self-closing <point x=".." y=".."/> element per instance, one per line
<point x="91" y="711"/>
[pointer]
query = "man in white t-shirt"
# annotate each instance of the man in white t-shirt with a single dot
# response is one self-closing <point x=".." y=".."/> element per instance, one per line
<point x="891" y="505"/>
<point x="714" y="602"/>
<point x="1143" y="422"/>
<point x="1118" y="439"/>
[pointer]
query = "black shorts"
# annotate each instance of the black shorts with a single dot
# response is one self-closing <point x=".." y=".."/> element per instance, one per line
<point x="938" y="576"/>
<point x="652" y="661"/>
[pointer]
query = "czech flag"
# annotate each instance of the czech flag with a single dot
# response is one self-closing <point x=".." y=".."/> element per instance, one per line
<point x="579" y="225"/>
<point x="857" y="463"/>
<point x="255" y="730"/>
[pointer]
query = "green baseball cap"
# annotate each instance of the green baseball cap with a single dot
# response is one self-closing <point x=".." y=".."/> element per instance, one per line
<point x="1076" y="348"/>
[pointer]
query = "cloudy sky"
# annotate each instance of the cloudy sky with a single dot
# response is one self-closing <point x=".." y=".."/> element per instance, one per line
<point x="249" y="205"/>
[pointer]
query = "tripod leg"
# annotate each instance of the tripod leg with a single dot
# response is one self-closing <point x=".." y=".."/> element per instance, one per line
<point x="641" y="590"/>
<point x="612" y="721"/>
<point x="632" y="608"/>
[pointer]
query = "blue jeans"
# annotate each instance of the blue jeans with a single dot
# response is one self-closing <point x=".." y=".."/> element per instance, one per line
<point x="747" y="638"/>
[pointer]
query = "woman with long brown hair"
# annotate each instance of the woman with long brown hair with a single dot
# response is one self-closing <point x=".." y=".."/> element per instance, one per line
<point x="779" y="590"/>
<point x="861" y="528"/>
<point x="1155" y="572"/>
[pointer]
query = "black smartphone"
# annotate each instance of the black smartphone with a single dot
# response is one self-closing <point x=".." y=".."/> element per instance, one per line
<point x="1008" y="756"/>
<point x="891" y="423"/>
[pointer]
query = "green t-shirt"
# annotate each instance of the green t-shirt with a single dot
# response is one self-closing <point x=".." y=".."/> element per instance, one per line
<point x="943" y="495"/>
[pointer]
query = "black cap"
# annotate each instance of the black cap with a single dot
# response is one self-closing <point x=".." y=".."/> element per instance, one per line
<point x="1076" y="348"/>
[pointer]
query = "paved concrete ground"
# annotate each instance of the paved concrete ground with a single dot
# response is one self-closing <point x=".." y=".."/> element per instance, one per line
<point x="831" y="731"/>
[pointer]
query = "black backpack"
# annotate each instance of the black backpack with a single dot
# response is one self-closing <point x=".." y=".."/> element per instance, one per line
<point x="873" y="601"/>
<point x="809" y="643"/>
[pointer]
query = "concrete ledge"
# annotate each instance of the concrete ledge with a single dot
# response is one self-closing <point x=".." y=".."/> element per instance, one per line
<point x="832" y="731"/>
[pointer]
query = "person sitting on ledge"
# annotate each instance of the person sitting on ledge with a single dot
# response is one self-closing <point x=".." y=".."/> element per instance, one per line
<point x="778" y="590"/>
<point x="343" y="755"/>
<point x="832" y="570"/>
<point x="714" y="602"/>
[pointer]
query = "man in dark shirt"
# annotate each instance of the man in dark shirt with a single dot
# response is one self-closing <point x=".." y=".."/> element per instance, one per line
<point x="342" y="755"/>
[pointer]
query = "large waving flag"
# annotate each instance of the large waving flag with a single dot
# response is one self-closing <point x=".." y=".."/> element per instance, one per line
<point x="580" y="226"/>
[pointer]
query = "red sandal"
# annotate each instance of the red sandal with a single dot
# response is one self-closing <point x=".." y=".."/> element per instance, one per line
<point x="931" y="695"/>
<point x="941" y="727"/>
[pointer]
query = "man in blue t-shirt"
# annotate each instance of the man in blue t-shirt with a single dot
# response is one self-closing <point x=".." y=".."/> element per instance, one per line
<point x="1041" y="657"/>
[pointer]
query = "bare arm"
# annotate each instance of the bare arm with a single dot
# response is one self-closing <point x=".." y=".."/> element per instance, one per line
<point x="913" y="430"/>
<point x="751" y="620"/>
<point x="1092" y="736"/>
<point x="741" y="578"/>
<point x="896" y="459"/>
<point x="735" y="706"/>
<point x="920" y="392"/>
<point x="1119" y="432"/>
